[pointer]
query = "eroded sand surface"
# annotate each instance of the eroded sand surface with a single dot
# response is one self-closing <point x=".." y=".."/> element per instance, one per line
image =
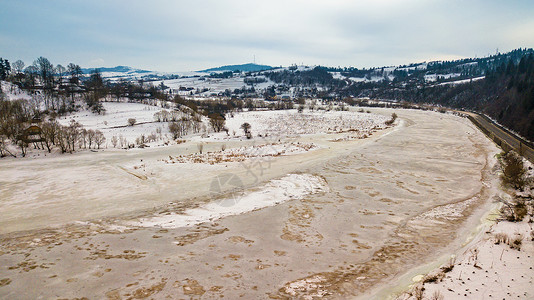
<point x="391" y="202"/>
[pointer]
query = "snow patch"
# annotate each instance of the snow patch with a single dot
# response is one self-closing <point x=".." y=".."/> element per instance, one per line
<point x="290" y="187"/>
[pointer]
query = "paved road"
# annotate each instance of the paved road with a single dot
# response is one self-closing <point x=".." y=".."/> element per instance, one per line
<point x="509" y="138"/>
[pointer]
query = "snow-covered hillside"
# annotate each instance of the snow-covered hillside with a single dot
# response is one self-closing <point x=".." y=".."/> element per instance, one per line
<point x="12" y="92"/>
<point x="115" y="121"/>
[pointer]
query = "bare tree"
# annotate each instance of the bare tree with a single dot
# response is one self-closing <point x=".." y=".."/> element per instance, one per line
<point x="60" y="72"/>
<point x="63" y="139"/>
<point x="46" y="71"/>
<point x="176" y="129"/>
<point x="31" y="75"/>
<point x="217" y="122"/>
<point x="3" y="147"/>
<point x="196" y="124"/>
<point x="75" y="72"/>
<point x="246" y="127"/>
<point x="158" y="117"/>
<point x="99" y="138"/>
<point x="18" y="66"/>
<point x="114" y="141"/>
<point x="49" y="131"/>
<point x="164" y="116"/>
<point x="174" y="116"/>
<point x="90" y="137"/>
<point x="73" y="133"/>
<point x="83" y="138"/>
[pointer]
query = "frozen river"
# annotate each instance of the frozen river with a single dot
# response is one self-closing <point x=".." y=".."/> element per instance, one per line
<point x="382" y="206"/>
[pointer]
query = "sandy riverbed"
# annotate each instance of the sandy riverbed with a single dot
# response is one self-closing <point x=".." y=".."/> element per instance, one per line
<point x="391" y="202"/>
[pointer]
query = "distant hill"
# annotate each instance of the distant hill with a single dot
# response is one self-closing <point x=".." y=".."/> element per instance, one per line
<point x="117" y="69"/>
<point x="242" y="68"/>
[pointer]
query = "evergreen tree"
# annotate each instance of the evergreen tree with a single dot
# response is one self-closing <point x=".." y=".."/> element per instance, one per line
<point x="5" y="68"/>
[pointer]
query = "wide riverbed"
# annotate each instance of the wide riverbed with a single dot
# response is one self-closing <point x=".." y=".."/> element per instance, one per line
<point x="371" y="210"/>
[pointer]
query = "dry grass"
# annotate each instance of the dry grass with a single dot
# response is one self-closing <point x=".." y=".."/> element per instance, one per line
<point x="514" y="211"/>
<point x="437" y="296"/>
<point x="501" y="238"/>
<point x="516" y="242"/>
<point x="449" y="266"/>
<point x="241" y="154"/>
<point x="520" y="210"/>
<point x="434" y="277"/>
<point x="418" y="292"/>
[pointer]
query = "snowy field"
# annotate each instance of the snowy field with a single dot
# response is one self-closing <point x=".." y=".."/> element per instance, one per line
<point x="212" y="85"/>
<point x="115" y="121"/>
<point x="291" y="123"/>
<point x="264" y="124"/>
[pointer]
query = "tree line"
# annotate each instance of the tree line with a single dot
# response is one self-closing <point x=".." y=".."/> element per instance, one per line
<point x="506" y="94"/>
<point x="54" y="91"/>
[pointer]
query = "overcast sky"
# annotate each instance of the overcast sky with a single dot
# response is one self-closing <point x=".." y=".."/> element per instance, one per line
<point x="183" y="35"/>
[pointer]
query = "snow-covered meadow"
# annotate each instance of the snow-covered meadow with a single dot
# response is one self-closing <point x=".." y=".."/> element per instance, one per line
<point x="292" y="123"/>
<point x="269" y="125"/>
<point x="208" y="86"/>
<point x="114" y="122"/>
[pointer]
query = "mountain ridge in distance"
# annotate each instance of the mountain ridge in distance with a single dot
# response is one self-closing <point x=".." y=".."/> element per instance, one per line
<point x="118" y="69"/>
<point x="250" y="67"/>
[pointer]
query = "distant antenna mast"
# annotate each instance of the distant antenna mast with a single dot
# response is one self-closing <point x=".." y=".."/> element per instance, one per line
<point x="254" y="58"/>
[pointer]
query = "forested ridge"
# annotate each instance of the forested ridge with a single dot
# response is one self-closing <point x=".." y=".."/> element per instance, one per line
<point x="506" y="94"/>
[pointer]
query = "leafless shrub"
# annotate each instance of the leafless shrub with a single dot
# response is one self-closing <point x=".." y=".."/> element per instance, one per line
<point x="516" y="242"/>
<point x="152" y="137"/>
<point x="513" y="211"/>
<point x="141" y="140"/>
<point x="418" y="292"/>
<point x="434" y="277"/>
<point x="520" y="210"/>
<point x="437" y="296"/>
<point x="392" y="120"/>
<point x="114" y="141"/>
<point x="449" y="266"/>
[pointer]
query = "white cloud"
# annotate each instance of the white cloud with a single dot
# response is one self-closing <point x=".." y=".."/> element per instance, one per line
<point x="188" y="35"/>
